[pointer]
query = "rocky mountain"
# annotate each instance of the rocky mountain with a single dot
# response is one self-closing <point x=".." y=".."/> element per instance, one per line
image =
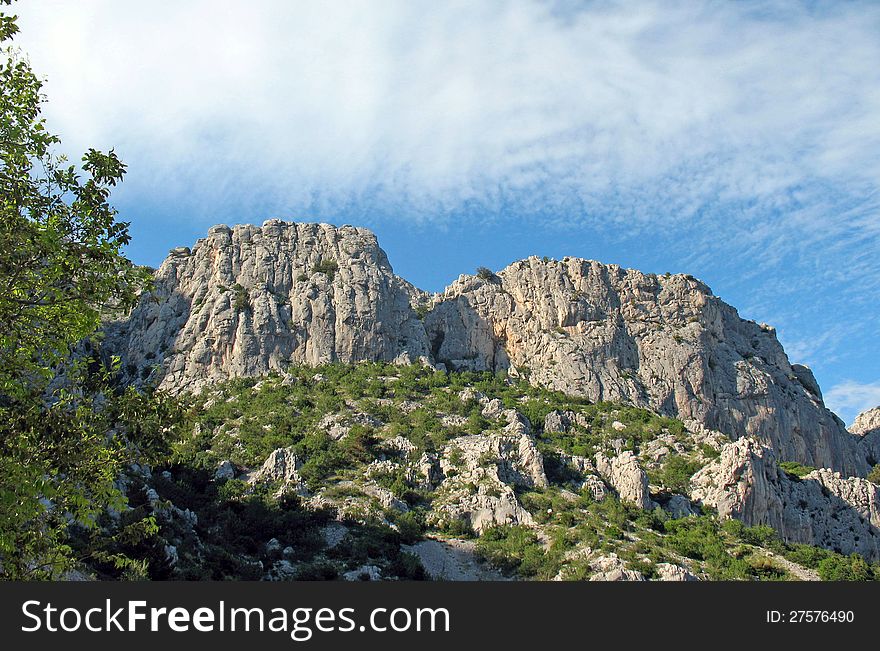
<point x="248" y="300"/>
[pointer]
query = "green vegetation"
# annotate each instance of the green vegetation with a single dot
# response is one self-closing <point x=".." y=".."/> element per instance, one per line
<point x="62" y="269"/>
<point x="241" y="302"/>
<point x="874" y="475"/>
<point x="484" y="273"/>
<point x="677" y="472"/>
<point x="326" y="267"/>
<point x="795" y="470"/>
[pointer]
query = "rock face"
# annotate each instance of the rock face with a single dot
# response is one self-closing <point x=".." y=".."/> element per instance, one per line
<point x="867" y="426"/>
<point x="480" y="473"/>
<point x="280" y="468"/>
<point x="249" y="300"/>
<point x="626" y="477"/>
<point x="821" y="509"/>
<point x="867" y="422"/>
<point x="665" y="343"/>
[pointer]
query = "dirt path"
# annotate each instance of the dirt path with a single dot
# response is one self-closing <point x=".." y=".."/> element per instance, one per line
<point x="453" y="559"/>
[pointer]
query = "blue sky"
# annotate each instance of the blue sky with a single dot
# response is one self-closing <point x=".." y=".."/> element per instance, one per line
<point x="737" y="142"/>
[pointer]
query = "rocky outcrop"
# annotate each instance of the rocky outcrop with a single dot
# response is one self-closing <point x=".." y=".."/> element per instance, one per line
<point x="867" y="422"/>
<point x="823" y="508"/>
<point x="662" y="342"/>
<point x="480" y="473"/>
<point x="867" y="427"/>
<point x="670" y="572"/>
<point x="612" y="568"/>
<point x="626" y="477"/>
<point x="249" y="300"/>
<point x="280" y="469"/>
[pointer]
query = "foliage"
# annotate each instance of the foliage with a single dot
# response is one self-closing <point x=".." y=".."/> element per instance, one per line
<point x="326" y="267"/>
<point x="515" y="548"/>
<point x="845" y="568"/>
<point x="241" y="302"/>
<point x="795" y="470"/>
<point x="62" y="268"/>
<point x="874" y="474"/>
<point x="484" y="273"/>
<point x="677" y="472"/>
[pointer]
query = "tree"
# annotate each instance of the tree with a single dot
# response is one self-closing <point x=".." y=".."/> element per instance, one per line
<point x="61" y="268"/>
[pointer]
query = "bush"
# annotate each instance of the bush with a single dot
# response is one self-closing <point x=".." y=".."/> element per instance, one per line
<point x="513" y="548"/>
<point x="794" y="469"/>
<point x="845" y="568"/>
<point x="677" y="472"/>
<point x="874" y="475"/>
<point x="241" y="302"/>
<point x="327" y="267"/>
<point x="484" y="273"/>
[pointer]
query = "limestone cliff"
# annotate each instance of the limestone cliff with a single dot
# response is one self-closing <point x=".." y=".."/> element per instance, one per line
<point x="822" y="508"/>
<point x="663" y="342"/>
<point x="249" y="300"/>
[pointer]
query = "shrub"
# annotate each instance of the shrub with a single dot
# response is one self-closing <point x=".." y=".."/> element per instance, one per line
<point x="677" y="472"/>
<point x="241" y="302"/>
<point x="327" y="267"/>
<point x="844" y="568"/>
<point x="512" y="548"/>
<point x="484" y="273"/>
<point x="794" y="469"/>
<point x="874" y="475"/>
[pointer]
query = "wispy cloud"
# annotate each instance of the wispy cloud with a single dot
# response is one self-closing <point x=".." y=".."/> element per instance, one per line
<point x="426" y="106"/>
<point x="852" y="398"/>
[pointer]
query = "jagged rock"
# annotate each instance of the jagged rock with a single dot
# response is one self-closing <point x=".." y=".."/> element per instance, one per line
<point x="867" y="427"/>
<point x="280" y="467"/>
<point x="429" y="470"/>
<point x="612" y="568"/>
<point x="385" y="498"/>
<point x="398" y="446"/>
<point x="493" y="504"/>
<point x="558" y="421"/>
<point x="225" y="470"/>
<point x="823" y="508"/>
<point x="665" y="343"/>
<point x="281" y="570"/>
<point x="333" y="534"/>
<point x="670" y="572"/>
<point x="679" y="506"/>
<point x="597" y="488"/>
<point x="479" y="474"/>
<point x="364" y="573"/>
<point x="514" y="457"/>
<point x="626" y="477"/>
<point x="273" y="545"/>
<point x="249" y="300"/>
<point x="867" y="422"/>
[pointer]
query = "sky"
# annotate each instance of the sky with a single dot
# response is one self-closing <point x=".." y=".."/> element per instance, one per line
<point x="735" y="141"/>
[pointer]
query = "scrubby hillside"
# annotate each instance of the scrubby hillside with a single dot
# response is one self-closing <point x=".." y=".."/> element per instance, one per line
<point x="385" y="471"/>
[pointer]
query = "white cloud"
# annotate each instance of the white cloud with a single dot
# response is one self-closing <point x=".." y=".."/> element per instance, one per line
<point x="852" y="398"/>
<point x="435" y="104"/>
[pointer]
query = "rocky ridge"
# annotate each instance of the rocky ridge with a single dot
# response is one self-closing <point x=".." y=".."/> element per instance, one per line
<point x="249" y="300"/>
